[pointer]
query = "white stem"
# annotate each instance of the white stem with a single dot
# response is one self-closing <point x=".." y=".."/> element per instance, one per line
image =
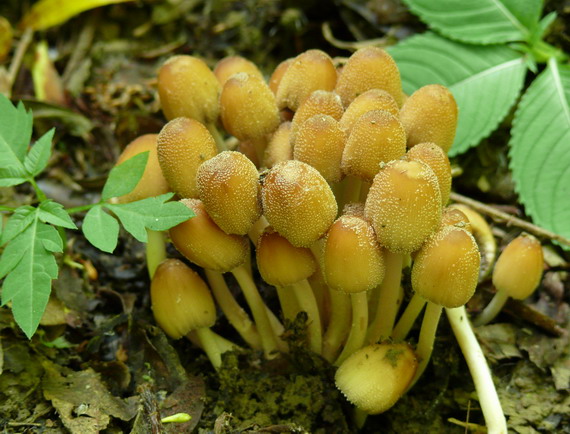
<point x="492" y="310"/>
<point x="488" y="398"/>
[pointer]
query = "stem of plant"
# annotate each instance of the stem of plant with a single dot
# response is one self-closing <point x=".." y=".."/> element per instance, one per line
<point x="258" y="310"/>
<point x="236" y="316"/>
<point x="308" y="303"/>
<point x="488" y="398"/>
<point x="427" y="338"/>
<point x="210" y="346"/>
<point x="492" y="309"/>
<point x="39" y="193"/>
<point x="339" y="324"/>
<point x="383" y="322"/>
<point x="406" y="321"/>
<point x="220" y="142"/>
<point x="289" y="305"/>
<point x="358" y="328"/>
<point x="155" y="250"/>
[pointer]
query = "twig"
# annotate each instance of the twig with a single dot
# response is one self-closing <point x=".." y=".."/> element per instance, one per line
<point x="18" y="57"/>
<point x="328" y="35"/>
<point x="509" y="219"/>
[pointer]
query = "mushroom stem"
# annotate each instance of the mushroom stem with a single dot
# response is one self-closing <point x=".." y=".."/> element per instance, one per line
<point x="308" y="303"/>
<point x="258" y="310"/>
<point x="220" y="142"/>
<point x="427" y="337"/>
<point x="406" y="321"/>
<point x="237" y="317"/>
<point x="492" y="309"/>
<point x="338" y="325"/>
<point x="488" y="398"/>
<point x="210" y="346"/>
<point x="359" y="325"/>
<point x="155" y="250"/>
<point x="289" y="305"/>
<point x="383" y="322"/>
<point x="352" y="190"/>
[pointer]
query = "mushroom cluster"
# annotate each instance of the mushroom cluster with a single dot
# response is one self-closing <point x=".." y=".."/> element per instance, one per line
<point x="338" y="181"/>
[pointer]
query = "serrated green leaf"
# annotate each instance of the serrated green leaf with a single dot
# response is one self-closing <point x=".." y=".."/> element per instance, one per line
<point x="18" y="222"/>
<point x="485" y="80"/>
<point x="101" y="229"/>
<point x="15" y="132"/>
<point x="54" y="213"/>
<point x="37" y="159"/>
<point x="11" y="176"/>
<point x="50" y="238"/>
<point x="152" y="213"/>
<point x="540" y="149"/>
<point x="481" y="21"/>
<point x="28" y="285"/>
<point x="125" y="177"/>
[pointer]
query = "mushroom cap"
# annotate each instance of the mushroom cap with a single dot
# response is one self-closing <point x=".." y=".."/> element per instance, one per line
<point x="436" y="158"/>
<point x="248" y="108"/>
<point x="279" y="148"/>
<point x="446" y="268"/>
<point x="183" y="145"/>
<point x="279" y="262"/>
<point x="309" y="71"/>
<point x="352" y="258"/>
<point x="519" y="267"/>
<point x="319" y="102"/>
<point x="188" y="88"/>
<point x="181" y="301"/>
<point x="278" y="73"/>
<point x="455" y="217"/>
<point x="373" y="99"/>
<point x="202" y="242"/>
<point x="230" y="191"/>
<point x="404" y="205"/>
<point x="320" y="143"/>
<point x="430" y="115"/>
<point x="298" y="202"/>
<point x="375" y="377"/>
<point x="376" y="137"/>
<point x="231" y="65"/>
<point x="369" y="68"/>
<point x="152" y="182"/>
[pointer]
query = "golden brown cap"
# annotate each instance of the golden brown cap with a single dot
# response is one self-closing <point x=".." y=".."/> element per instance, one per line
<point x="279" y="262"/>
<point x="455" y="217"/>
<point x="181" y="301"/>
<point x="430" y="115"/>
<point x="183" y="145"/>
<point x="279" y="148"/>
<point x="352" y="257"/>
<point x="230" y="190"/>
<point x="152" y="182"/>
<point x="278" y="73"/>
<point x="231" y="65"/>
<point x="373" y="99"/>
<point x="376" y="137"/>
<point x="446" y="268"/>
<point x="319" y="102"/>
<point x="369" y="68"/>
<point x="309" y="71"/>
<point x="202" y="242"/>
<point x="248" y="108"/>
<point x="298" y="202"/>
<point x="519" y="267"/>
<point x="188" y="88"/>
<point x="320" y="143"/>
<point x="436" y="158"/>
<point x="376" y="376"/>
<point x="404" y="205"/>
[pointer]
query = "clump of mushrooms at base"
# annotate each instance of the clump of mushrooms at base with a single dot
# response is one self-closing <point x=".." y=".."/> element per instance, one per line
<point x="338" y="181"/>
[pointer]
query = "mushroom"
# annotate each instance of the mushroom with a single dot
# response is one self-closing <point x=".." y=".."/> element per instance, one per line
<point x="181" y="303"/>
<point x="517" y="274"/>
<point x="369" y="68"/>
<point x="320" y="102"/>
<point x="430" y="115"/>
<point x="436" y="159"/>
<point x="373" y="99"/>
<point x="279" y="148"/>
<point x="231" y="65"/>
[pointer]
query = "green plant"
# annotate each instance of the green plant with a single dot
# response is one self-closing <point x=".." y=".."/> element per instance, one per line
<point x="483" y="52"/>
<point x="33" y="235"/>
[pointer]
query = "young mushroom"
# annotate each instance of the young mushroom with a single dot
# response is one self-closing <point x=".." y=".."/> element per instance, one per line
<point x="516" y="274"/>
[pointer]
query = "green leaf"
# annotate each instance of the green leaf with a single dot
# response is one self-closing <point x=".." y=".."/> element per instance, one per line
<point x="54" y="213"/>
<point x="28" y="284"/>
<point x="18" y="222"/>
<point x="37" y="159"/>
<point x="481" y="21"/>
<point x="125" y="177"/>
<point x="485" y="80"/>
<point x="10" y="176"/>
<point x="15" y="132"/>
<point x="153" y="213"/>
<point x="101" y="229"/>
<point x="540" y="149"/>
